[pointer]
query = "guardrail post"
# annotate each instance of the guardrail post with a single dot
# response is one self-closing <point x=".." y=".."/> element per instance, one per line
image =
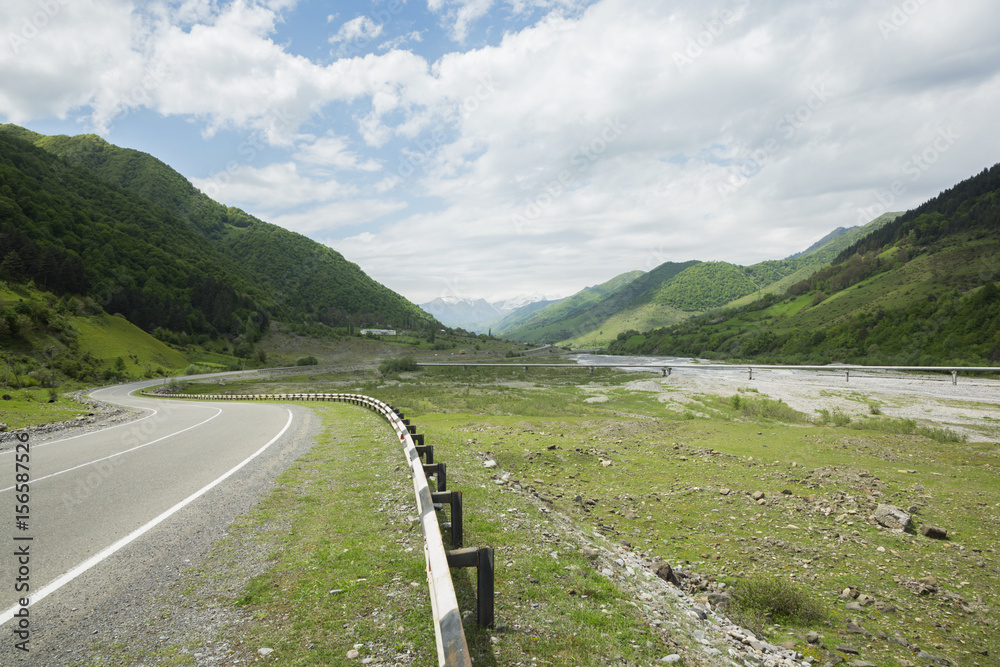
<point x="482" y="560"/>
<point x="847" y="375"/>
<point x="453" y="498"/>
<point x="440" y="472"/>
<point x="954" y="377"/>
<point x="750" y="370"/>
<point x="427" y="451"/>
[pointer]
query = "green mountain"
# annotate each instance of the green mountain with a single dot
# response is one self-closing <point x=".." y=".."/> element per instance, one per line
<point x="917" y="289"/>
<point x="101" y="229"/>
<point x="559" y="320"/>
<point x="675" y="292"/>
<point x="297" y="279"/>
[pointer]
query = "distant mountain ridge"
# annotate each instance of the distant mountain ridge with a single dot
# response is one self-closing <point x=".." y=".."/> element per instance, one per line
<point x="674" y="292"/>
<point x="919" y="288"/>
<point x="477" y="314"/>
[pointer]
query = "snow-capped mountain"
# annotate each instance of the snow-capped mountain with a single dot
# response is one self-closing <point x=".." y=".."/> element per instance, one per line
<point x="476" y="314"/>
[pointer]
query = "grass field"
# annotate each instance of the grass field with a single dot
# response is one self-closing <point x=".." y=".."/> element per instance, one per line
<point x="107" y="337"/>
<point x="31" y="407"/>
<point x="732" y="488"/>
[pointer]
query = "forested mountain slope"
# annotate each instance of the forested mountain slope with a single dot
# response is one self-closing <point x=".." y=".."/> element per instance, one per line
<point x="918" y="290"/>
<point x="293" y="277"/>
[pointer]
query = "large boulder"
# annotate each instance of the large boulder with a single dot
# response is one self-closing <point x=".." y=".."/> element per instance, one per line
<point x="892" y="517"/>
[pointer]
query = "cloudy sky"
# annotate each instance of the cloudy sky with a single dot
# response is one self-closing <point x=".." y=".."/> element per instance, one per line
<point x="497" y="147"/>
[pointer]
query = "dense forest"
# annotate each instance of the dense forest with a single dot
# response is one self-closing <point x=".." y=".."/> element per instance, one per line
<point x="72" y="233"/>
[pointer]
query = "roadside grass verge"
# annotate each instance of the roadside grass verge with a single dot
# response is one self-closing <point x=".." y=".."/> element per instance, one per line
<point x="345" y="563"/>
<point x="31" y="407"/>
<point x="344" y="567"/>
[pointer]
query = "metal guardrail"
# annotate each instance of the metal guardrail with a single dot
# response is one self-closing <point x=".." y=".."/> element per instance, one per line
<point x="452" y="647"/>
<point x="668" y="369"/>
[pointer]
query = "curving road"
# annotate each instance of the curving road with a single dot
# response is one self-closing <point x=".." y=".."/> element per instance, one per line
<point x="112" y="510"/>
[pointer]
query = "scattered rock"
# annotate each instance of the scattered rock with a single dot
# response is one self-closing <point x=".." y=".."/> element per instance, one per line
<point x="937" y="660"/>
<point x="724" y="492"/>
<point x="922" y="586"/>
<point x="854" y="628"/>
<point x="352" y="654"/>
<point x="847" y="649"/>
<point x="265" y="651"/>
<point x="490" y="463"/>
<point x="934" y="532"/>
<point x="665" y="572"/>
<point x="812" y="637"/>
<point x="892" y="517"/>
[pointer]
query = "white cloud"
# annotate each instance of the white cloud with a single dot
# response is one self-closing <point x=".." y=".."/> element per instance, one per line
<point x="400" y="41"/>
<point x="355" y="35"/>
<point x="332" y="151"/>
<point x="603" y="136"/>
<point x="319" y="221"/>
<point x="268" y="190"/>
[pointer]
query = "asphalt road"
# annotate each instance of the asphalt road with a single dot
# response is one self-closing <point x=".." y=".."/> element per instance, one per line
<point x="114" y="511"/>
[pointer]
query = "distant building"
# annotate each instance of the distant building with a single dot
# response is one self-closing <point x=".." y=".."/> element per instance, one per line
<point x="378" y="332"/>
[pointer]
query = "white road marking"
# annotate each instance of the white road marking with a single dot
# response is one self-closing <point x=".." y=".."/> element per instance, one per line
<point x="139" y="532"/>
<point x="90" y="463"/>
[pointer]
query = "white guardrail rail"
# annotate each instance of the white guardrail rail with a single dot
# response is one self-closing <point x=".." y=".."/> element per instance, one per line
<point x="667" y="369"/>
<point x="452" y="648"/>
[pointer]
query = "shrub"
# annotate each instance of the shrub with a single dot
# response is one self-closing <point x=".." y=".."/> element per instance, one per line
<point x="759" y="601"/>
<point x="837" y="417"/>
<point x="400" y="365"/>
<point x="307" y="361"/>
<point x="767" y="408"/>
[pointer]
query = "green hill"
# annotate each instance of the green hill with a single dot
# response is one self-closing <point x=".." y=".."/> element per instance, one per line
<point x="562" y="319"/>
<point x="918" y="289"/>
<point x="87" y="228"/>
<point x="673" y="293"/>
<point x="293" y="277"/>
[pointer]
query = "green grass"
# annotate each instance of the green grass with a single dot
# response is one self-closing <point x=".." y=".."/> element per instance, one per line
<point x="662" y="494"/>
<point x="348" y="567"/>
<point x="107" y="337"/>
<point x="31" y="407"/>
